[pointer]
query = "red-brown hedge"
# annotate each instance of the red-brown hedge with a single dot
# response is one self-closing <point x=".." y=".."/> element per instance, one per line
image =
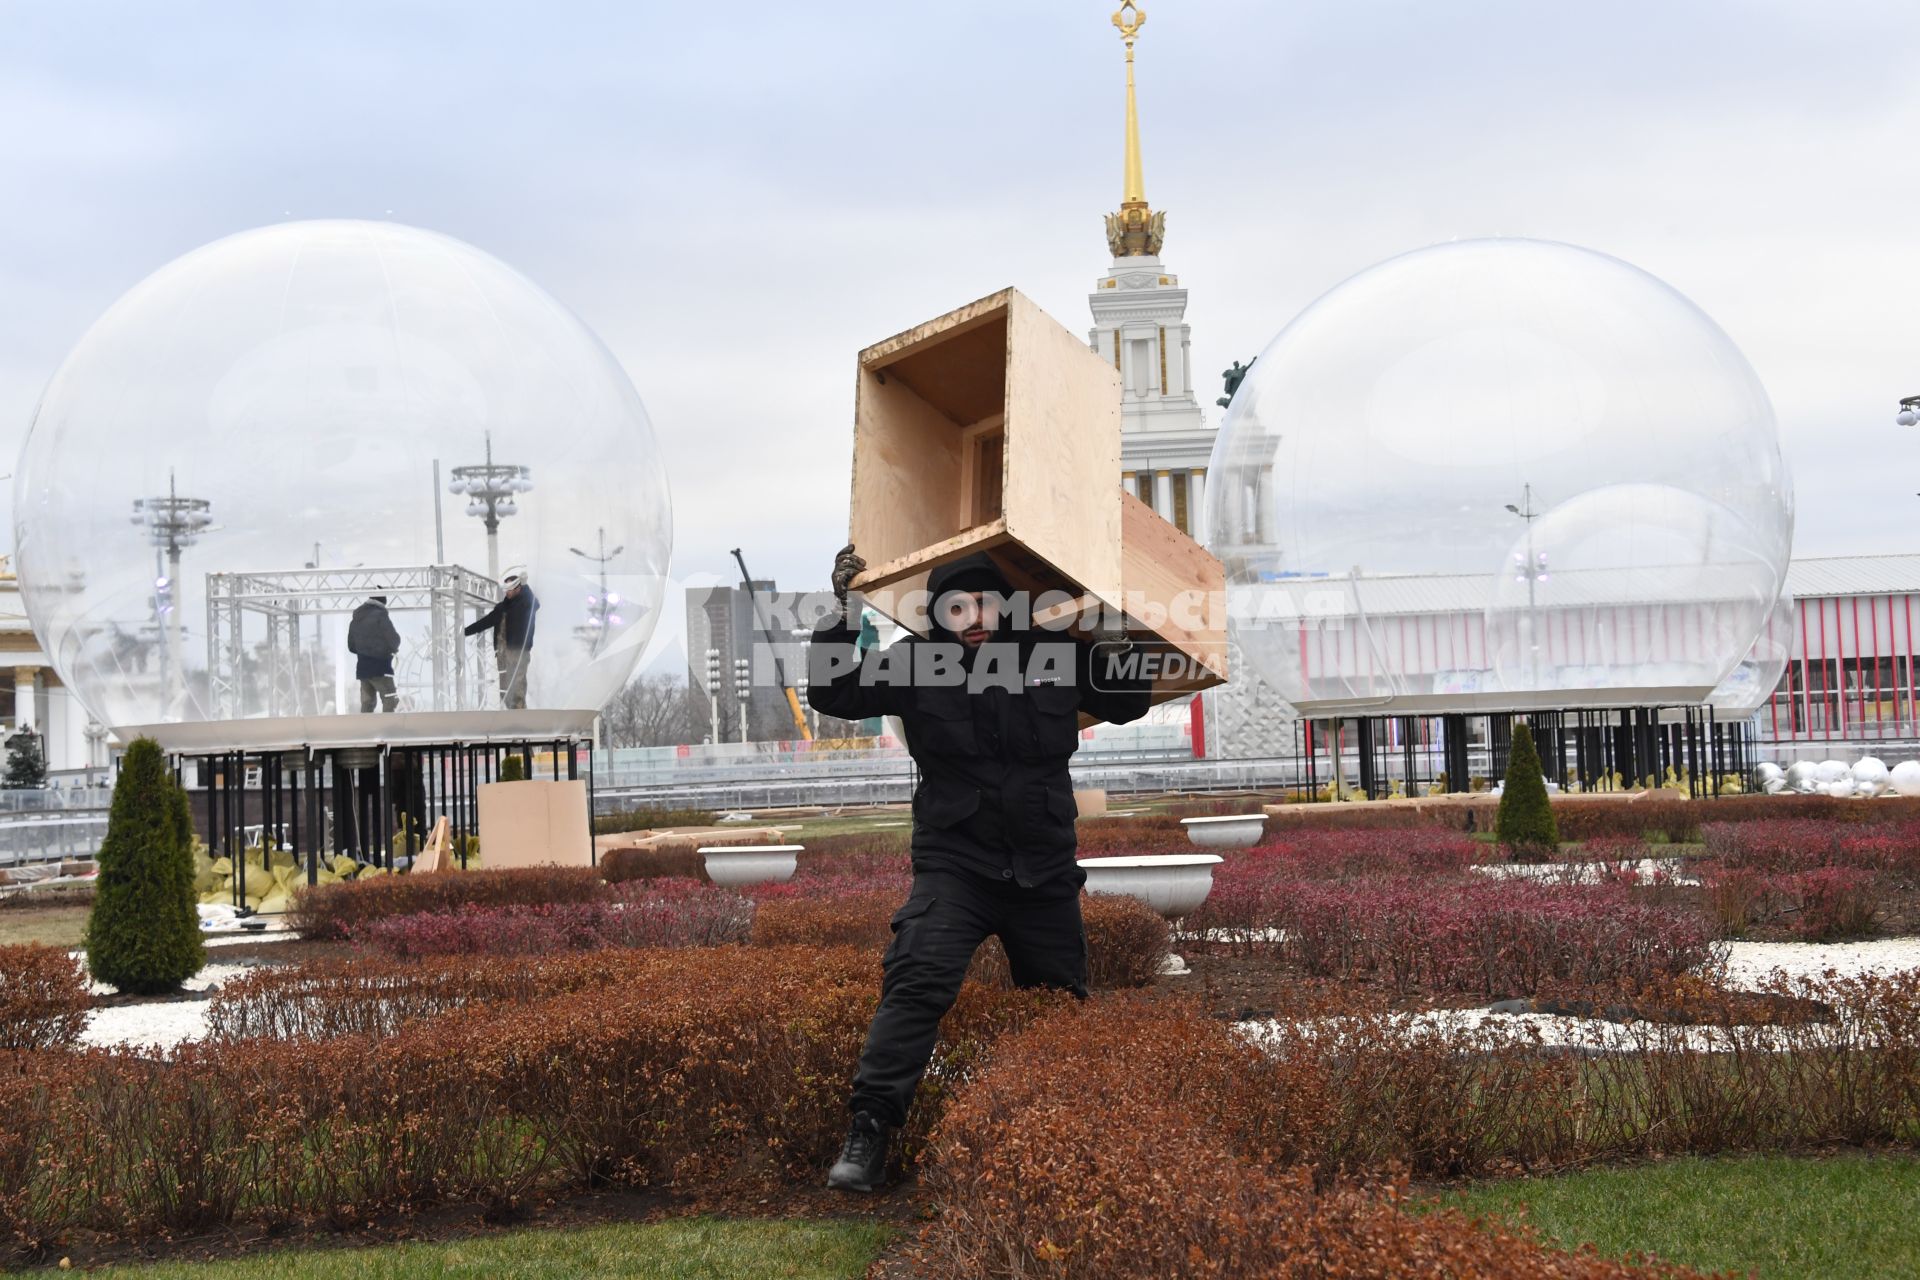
<point x="332" y="911"/>
<point x="1126" y="941"/>
<point x="1129" y="1142"/>
<point x="619" y="866"/>
<point x="43" y="998"/>
<point x="691" y="1068"/>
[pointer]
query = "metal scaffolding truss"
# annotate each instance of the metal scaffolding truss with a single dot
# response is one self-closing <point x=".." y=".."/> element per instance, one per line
<point x="265" y="673"/>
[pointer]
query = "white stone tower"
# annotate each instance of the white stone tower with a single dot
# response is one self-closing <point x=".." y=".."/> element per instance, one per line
<point x="1139" y="322"/>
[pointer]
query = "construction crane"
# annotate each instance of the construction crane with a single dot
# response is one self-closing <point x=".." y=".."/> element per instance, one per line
<point x="766" y="636"/>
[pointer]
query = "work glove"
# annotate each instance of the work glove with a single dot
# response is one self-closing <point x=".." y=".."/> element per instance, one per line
<point x="1112" y="636"/>
<point x="846" y="567"/>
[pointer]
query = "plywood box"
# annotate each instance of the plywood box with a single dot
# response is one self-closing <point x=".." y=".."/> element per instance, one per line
<point x="991" y="428"/>
<point x="994" y="429"/>
<point x="1176" y="600"/>
<point x="534" y="824"/>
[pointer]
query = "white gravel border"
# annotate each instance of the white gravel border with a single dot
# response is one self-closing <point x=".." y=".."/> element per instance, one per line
<point x="1750" y="963"/>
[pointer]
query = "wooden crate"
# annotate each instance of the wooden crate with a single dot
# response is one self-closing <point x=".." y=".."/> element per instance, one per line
<point x="1167" y="573"/>
<point x="991" y="428"/>
<point x="994" y="429"/>
<point x="1175" y="602"/>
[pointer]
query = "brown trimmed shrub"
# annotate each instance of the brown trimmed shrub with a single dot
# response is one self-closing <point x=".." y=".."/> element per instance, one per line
<point x="856" y="920"/>
<point x="43" y="998"/>
<point x="1129" y="1141"/>
<point x="1127" y="941"/>
<point x="650" y="820"/>
<point x="696" y="1069"/>
<point x="333" y="911"/>
<point x="619" y="866"/>
<point x="375" y="995"/>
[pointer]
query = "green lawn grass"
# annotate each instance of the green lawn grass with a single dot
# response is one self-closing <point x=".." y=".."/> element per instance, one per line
<point x="1779" y="1217"/>
<point x="688" y="1249"/>
<point x="56" y="926"/>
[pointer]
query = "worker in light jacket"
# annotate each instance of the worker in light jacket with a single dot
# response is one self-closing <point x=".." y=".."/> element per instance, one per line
<point x="991" y="709"/>
<point x="511" y="622"/>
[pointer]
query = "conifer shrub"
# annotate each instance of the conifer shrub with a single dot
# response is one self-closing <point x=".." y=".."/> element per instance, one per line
<point x="512" y="769"/>
<point x="143" y="935"/>
<point x="1525" y="822"/>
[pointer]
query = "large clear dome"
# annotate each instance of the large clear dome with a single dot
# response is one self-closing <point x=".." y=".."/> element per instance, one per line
<point x="273" y="428"/>
<point x="1499" y="475"/>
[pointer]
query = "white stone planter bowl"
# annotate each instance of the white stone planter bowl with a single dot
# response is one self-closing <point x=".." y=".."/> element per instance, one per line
<point x="1235" y="831"/>
<point x="1171" y="883"/>
<point x="747" y="864"/>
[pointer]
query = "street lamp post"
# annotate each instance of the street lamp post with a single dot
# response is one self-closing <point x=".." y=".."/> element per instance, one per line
<point x="713" y="696"/>
<point x="743" y="685"/>
<point x="801" y="637"/>
<point x="1909" y="411"/>
<point x="600" y="608"/>
<point x="1530" y="568"/>
<point x="490" y="488"/>
<point x="173" y="523"/>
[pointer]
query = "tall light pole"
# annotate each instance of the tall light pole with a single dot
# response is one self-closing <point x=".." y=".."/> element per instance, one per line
<point x="713" y="696"/>
<point x="1530" y="568"/>
<point x="801" y="637"/>
<point x="743" y="685"/>
<point x="173" y="523"/>
<point x="490" y="488"/>
<point x="600" y="608"/>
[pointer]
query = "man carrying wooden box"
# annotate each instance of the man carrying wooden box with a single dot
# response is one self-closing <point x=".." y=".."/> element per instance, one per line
<point x="986" y="479"/>
<point x="991" y="705"/>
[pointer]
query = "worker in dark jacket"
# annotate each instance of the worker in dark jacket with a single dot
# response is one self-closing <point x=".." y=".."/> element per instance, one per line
<point x="991" y="711"/>
<point x="511" y="622"/>
<point x="372" y="641"/>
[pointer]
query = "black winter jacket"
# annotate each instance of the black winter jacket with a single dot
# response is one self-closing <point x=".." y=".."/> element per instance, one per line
<point x="994" y="797"/>
<point x="514" y="616"/>
<point x="372" y="640"/>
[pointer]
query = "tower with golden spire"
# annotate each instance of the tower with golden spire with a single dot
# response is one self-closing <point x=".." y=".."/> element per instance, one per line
<point x="1139" y="322"/>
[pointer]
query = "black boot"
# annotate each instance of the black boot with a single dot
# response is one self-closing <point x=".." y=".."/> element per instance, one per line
<point x="862" y="1165"/>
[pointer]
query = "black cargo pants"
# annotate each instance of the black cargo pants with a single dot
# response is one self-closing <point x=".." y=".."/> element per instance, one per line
<point x="947" y="916"/>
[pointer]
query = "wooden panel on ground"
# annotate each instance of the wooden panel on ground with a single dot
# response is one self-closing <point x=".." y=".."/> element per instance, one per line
<point x="436" y="856"/>
<point x="534" y="824"/>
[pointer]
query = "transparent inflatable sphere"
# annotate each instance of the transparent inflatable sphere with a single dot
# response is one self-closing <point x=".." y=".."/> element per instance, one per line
<point x="1499" y="474"/>
<point x="1754" y="679"/>
<point x="273" y="430"/>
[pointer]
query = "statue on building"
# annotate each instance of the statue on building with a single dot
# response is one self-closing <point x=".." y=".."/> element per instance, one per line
<point x="1233" y="378"/>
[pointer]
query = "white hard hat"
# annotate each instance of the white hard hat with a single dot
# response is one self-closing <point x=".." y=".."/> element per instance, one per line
<point x="517" y="573"/>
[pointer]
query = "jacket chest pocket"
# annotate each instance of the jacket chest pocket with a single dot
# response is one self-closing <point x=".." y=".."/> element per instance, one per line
<point x="1049" y="718"/>
<point x="944" y="723"/>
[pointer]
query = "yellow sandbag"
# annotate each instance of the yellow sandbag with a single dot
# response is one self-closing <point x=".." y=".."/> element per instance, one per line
<point x="223" y="866"/>
<point x="274" y="903"/>
<point x="280" y="858"/>
<point x="369" y="871"/>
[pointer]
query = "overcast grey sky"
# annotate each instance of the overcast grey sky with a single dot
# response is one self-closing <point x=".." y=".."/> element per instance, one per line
<point x="740" y="196"/>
